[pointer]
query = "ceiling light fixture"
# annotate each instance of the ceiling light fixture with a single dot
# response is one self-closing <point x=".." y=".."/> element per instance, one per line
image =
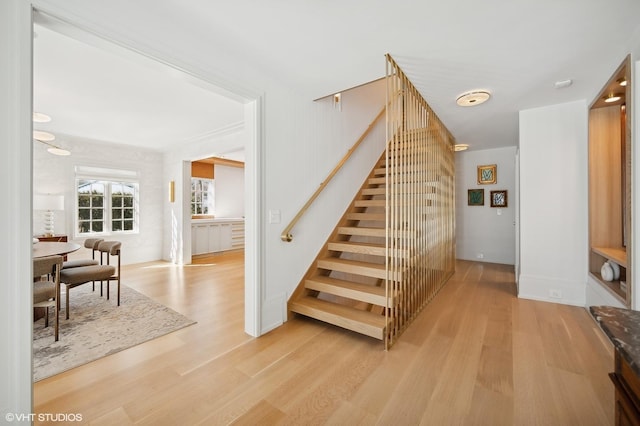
<point x="473" y="98"/>
<point x="39" y="117"/>
<point x="45" y="138"/>
<point x="461" y="147"/>
<point x="54" y="149"/>
<point x="563" y="83"/>
<point x="622" y="81"/>
<point x="612" y="97"/>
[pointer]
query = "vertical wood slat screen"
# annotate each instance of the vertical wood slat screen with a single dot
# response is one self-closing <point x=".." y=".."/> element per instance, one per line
<point x="420" y="215"/>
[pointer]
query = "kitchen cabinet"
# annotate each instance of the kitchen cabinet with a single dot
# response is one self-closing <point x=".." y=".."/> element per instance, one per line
<point x="216" y="235"/>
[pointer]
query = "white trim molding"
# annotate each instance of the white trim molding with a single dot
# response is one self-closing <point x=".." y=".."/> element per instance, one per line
<point x="15" y="221"/>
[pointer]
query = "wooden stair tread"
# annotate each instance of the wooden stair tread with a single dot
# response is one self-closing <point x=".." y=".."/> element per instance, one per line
<point x="355" y="230"/>
<point x="358" y="247"/>
<point x="374" y="232"/>
<point x="363" y="322"/>
<point x="368" y="248"/>
<point x="367" y="216"/>
<point x="362" y="292"/>
<point x="357" y="267"/>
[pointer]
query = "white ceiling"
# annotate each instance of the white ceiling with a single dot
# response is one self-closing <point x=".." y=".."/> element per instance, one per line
<point x="516" y="49"/>
<point x="109" y="94"/>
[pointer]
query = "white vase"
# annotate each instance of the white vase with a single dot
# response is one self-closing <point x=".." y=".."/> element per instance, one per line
<point x="607" y="272"/>
<point x="616" y="269"/>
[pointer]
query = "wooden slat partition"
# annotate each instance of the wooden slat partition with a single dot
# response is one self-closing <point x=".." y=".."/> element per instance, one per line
<point x="420" y="215"/>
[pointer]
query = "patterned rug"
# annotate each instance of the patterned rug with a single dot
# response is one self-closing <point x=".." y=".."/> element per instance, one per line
<point x="97" y="327"/>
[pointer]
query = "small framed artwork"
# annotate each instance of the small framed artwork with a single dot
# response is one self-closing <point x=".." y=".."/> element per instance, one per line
<point x="498" y="198"/>
<point x="487" y="174"/>
<point x="475" y="197"/>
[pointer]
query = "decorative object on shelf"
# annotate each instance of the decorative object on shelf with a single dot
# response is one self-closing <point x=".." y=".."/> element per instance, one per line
<point x="49" y="203"/>
<point x="606" y="271"/>
<point x="616" y="269"/>
<point x="475" y="197"/>
<point x="499" y="198"/>
<point x="487" y="174"/>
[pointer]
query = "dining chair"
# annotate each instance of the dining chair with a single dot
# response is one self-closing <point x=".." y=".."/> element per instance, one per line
<point x="73" y="277"/>
<point x="90" y="243"/>
<point x="111" y="249"/>
<point x="46" y="287"/>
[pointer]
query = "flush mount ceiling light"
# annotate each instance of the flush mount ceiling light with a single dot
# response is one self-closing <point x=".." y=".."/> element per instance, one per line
<point x="461" y="147"/>
<point x="561" y="84"/>
<point x="39" y="117"/>
<point x="622" y="81"/>
<point x="612" y="97"/>
<point x="473" y="98"/>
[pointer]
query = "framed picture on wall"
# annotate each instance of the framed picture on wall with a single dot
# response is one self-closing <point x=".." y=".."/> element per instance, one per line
<point x="487" y="174"/>
<point x="475" y="197"/>
<point x="498" y="198"/>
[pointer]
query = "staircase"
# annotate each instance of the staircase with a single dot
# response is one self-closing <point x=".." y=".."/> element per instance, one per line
<point x="394" y="248"/>
<point x="345" y="286"/>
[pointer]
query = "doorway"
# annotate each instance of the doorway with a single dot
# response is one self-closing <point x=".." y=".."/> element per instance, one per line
<point x="250" y="105"/>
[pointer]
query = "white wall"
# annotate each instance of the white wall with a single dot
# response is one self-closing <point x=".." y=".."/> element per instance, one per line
<point x="483" y="230"/>
<point x="56" y="175"/>
<point x="553" y="202"/>
<point x="229" y="191"/>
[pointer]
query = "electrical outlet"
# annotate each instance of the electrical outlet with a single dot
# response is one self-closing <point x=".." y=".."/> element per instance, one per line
<point x="555" y="293"/>
<point x="480" y="255"/>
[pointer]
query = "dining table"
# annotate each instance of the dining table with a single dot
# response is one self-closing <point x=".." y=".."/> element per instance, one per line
<point x="51" y="248"/>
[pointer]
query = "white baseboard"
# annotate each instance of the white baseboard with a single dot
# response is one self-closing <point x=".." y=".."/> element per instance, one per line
<point x="551" y="289"/>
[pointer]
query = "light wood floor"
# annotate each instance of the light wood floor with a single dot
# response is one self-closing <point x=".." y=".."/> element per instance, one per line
<point x="476" y="356"/>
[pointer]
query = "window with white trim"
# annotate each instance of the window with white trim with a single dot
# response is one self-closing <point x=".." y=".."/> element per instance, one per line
<point x="202" y="197"/>
<point x="106" y="205"/>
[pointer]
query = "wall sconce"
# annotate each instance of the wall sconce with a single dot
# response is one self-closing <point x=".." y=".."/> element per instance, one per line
<point x="337" y="101"/>
<point x="172" y="191"/>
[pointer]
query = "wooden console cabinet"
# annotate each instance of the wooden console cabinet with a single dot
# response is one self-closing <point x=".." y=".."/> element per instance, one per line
<point x="627" y="387"/>
<point x="622" y="327"/>
<point x="55" y="238"/>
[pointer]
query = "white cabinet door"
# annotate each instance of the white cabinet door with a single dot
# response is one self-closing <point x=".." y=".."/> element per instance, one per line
<point x="199" y="239"/>
<point x="214" y="238"/>
<point x="225" y="236"/>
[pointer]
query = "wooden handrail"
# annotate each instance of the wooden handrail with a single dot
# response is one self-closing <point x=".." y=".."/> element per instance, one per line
<point x="286" y="235"/>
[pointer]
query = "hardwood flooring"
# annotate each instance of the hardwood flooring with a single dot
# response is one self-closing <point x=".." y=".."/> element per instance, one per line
<point x="476" y="355"/>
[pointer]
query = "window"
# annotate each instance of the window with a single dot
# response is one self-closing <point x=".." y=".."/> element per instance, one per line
<point x="202" y="202"/>
<point x="106" y="206"/>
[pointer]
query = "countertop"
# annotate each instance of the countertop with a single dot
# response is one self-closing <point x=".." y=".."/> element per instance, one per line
<point x="217" y="219"/>
<point x="622" y="326"/>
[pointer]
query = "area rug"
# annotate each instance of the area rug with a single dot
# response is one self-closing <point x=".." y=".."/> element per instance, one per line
<point x="97" y="327"/>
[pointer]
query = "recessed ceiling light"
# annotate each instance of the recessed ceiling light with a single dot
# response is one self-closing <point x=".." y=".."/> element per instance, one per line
<point x="43" y="136"/>
<point x="40" y="117"/>
<point x="612" y="97"/>
<point x="461" y="147"/>
<point x="473" y="98"/>
<point x="622" y="81"/>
